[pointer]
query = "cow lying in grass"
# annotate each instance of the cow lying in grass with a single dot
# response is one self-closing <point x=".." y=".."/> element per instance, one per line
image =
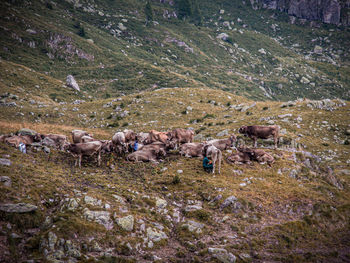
<point x="147" y="155"/>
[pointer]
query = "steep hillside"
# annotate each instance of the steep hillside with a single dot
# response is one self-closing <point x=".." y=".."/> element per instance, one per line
<point x="109" y="49"/>
<point x="295" y="211"/>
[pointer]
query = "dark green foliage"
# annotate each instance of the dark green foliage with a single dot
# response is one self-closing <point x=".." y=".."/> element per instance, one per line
<point x="184" y="9"/>
<point x="176" y="179"/>
<point x="81" y="32"/>
<point x="148" y="12"/>
<point x="196" y="13"/>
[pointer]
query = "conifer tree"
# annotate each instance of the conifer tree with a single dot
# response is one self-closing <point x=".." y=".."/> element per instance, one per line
<point x="184" y="9"/>
<point x="196" y="13"/>
<point x="148" y="12"/>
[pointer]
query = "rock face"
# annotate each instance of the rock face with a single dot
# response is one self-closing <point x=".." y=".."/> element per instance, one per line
<point x="327" y="11"/>
<point x="126" y="223"/>
<point x="72" y="83"/>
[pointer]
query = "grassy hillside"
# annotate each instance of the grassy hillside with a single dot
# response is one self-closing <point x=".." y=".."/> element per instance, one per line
<point x="119" y="54"/>
<point x="295" y="211"/>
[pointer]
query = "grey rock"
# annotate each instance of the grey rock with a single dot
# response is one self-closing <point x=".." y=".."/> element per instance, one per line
<point x="70" y="82"/>
<point x="18" y="208"/>
<point x="126" y="223"/>
<point x="6" y="181"/>
<point x="46" y="149"/>
<point x="228" y="201"/>
<point x="101" y="217"/>
<point x="222" y="255"/>
<point x="222" y="133"/>
<point x="5" y="162"/>
<point x="191" y="208"/>
<point x="161" y="203"/>
<point x="223" y="36"/>
<point x="92" y="201"/>
<point x="26" y="131"/>
<point x="193" y="226"/>
<point x="72" y="204"/>
<point x="155" y="235"/>
<point x="119" y="199"/>
<point x="52" y="240"/>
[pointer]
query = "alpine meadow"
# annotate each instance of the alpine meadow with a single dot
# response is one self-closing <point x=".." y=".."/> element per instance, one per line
<point x="174" y="131"/>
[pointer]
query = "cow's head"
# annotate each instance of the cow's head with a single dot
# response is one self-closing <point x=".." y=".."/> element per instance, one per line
<point x="243" y="129"/>
<point x="37" y="137"/>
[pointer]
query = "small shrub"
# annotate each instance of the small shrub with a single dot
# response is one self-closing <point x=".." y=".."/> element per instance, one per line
<point x="184" y="112"/>
<point x="228" y="104"/>
<point x="125" y="124"/>
<point x="113" y="125"/>
<point x="209" y="116"/>
<point x="176" y="179"/>
<point x="346" y="142"/>
<point x="265" y="108"/>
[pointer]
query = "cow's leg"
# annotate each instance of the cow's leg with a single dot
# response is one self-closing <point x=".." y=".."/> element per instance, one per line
<point x="80" y="156"/>
<point x="219" y="160"/>
<point x="99" y="158"/>
<point x="276" y="139"/>
<point x="255" y="142"/>
<point x="213" y="158"/>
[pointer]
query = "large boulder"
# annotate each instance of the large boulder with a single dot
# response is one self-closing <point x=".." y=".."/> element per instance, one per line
<point x="101" y="217"/>
<point x="222" y="255"/>
<point x="18" y="208"/>
<point x="26" y="131"/>
<point x="70" y="81"/>
<point x="126" y="223"/>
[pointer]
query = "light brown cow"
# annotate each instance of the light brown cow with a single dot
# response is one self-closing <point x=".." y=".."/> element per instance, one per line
<point x="214" y="154"/>
<point x="149" y="155"/>
<point x="59" y="139"/>
<point x="78" y="134"/>
<point x="119" y="143"/>
<point x="79" y="150"/>
<point x="192" y="149"/>
<point x="130" y="136"/>
<point x="155" y="136"/>
<point x="180" y="135"/>
<point x="157" y="146"/>
<point x="142" y="137"/>
<point x="224" y="144"/>
<point x="261" y="132"/>
<point x="107" y="146"/>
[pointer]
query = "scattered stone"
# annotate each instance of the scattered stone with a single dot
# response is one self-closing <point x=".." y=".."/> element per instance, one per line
<point x="222" y="255"/>
<point x="228" y="201"/>
<point x="5" y="162"/>
<point x="155" y="235"/>
<point x="161" y="203"/>
<point x="179" y="171"/>
<point x="101" y="217"/>
<point x="26" y="131"/>
<point x="262" y="51"/>
<point x="126" y="223"/>
<point x="288" y="104"/>
<point x="119" y="199"/>
<point x="193" y="226"/>
<point x="92" y="201"/>
<point x="18" y="208"/>
<point x="70" y="82"/>
<point x="318" y="49"/>
<point x="222" y="133"/>
<point x="6" y="181"/>
<point x="223" y="36"/>
<point x="72" y="204"/>
<point x="304" y="80"/>
<point x="285" y="115"/>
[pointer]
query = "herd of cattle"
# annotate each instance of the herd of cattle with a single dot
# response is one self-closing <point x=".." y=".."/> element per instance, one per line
<point x="154" y="145"/>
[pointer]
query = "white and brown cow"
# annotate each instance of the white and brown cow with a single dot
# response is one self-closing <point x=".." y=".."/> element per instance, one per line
<point x="146" y="155"/>
<point x="261" y="132"/>
<point x="119" y="143"/>
<point x="156" y="136"/>
<point x="192" y="149"/>
<point x="79" y="150"/>
<point x="214" y="154"/>
<point x="26" y="139"/>
<point x="223" y="144"/>
<point x="78" y="134"/>
<point x="180" y="135"/>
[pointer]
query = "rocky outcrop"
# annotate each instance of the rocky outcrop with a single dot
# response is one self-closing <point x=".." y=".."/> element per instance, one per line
<point x="327" y="11"/>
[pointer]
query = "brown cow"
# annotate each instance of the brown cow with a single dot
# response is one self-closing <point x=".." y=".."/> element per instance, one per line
<point x="149" y="155"/>
<point x="107" y="146"/>
<point x="119" y="143"/>
<point x="259" y="155"/>
<point x="155" y="136"/>
<point x="142" y="137"/>
<point x="239" y="157"/>
<point x="26" y="139"/>
<point x="224" y="144"/>
<point x="262" y="132"/>
<point x="130" y="136"/>
<point x="214" y="154"/>
<point x="79" y="150"/>
<point x="3" y="137"/>
<point x="180" y="135"/>
<point x="157" y="145"/>
<point x="59" y="139"/>
<point x="78" y="134"/>
<point x="192" y="149"/>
